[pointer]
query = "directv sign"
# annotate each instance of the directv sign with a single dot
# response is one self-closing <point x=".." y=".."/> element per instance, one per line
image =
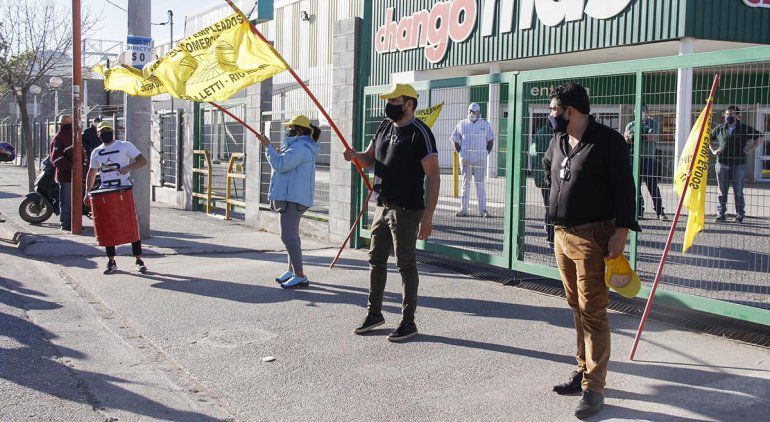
<point x="139" y="51"/>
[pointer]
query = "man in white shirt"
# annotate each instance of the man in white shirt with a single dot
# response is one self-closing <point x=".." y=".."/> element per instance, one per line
<point x="113" y="161"/>
<point x="473" y="138"/>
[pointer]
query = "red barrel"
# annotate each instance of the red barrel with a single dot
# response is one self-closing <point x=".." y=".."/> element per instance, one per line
<point x="114" y="216"/>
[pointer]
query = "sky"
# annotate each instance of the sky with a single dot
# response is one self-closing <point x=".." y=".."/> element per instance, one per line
<point x="112" y="25"/>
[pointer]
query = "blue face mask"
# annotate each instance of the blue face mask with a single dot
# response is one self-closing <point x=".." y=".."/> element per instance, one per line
<point x="730" y="120"/>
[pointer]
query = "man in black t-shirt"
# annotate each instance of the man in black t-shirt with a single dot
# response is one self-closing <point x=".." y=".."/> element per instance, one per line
<point x="403" y="152"/>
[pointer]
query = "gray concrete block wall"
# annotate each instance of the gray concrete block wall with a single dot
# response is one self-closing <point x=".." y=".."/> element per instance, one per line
<point x="343" y="111"/>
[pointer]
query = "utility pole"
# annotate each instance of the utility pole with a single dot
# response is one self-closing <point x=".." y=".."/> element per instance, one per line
<point x="77" y="145"/>
<point x="171" y="44"/>
<point x="137" y="120"/>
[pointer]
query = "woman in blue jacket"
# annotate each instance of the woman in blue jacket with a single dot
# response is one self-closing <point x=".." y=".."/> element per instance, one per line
<point x="292" y="185"/>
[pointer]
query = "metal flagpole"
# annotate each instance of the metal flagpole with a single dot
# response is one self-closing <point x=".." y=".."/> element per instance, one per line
<point x="671" y="232"/>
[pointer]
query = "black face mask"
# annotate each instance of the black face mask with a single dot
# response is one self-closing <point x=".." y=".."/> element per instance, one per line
<point x="730" y="120"/>
<point x="290" y="133"/>
<point x="107" y="137"/>
<point x="394" y="112"/>
<point x="66" y="126"/>
<point x="558" y="123"/>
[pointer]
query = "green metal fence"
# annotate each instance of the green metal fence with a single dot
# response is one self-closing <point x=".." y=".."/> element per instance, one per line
<point x="725" y="273"/>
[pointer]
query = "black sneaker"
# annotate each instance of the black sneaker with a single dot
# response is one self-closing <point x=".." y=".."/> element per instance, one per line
<point x="111" y="267"/>
<point x="140" y="266"/>
<point x="663" y="217"/>
<point x="738" y="219"/>
<point x="371" y="322"/>
<point x="572" y="386"/>
<point x="405" y="331"/>
<point x="590" y="403"/>
<point x="720" y="218"/>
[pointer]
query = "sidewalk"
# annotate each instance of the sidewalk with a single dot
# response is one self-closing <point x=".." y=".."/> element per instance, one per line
<point x="186" y="341"/>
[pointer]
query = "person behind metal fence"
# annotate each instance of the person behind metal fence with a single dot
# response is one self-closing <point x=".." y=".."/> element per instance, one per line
<point x="592" y="205"/>
<point x="113" y="162"/>
<point x="537" y="150"/>
<point x="61" y="157"/>
<point x="403" y="152"/>
<point x="473" y="139"/>
<point x="731" y="142"/>
<point x="292" y="186"/>
<point x="649" y="131"/>
<point x="91" y="139"/>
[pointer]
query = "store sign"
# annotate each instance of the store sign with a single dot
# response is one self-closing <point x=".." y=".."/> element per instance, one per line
<point x="455" y="20"/>
<point x="757" y="3"/>
<point x="431" y="30"/>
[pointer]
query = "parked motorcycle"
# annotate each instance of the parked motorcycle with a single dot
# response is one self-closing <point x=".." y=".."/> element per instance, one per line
<point x="40" y="205"/>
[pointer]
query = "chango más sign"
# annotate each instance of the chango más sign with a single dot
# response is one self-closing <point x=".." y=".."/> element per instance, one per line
<point x="456" y="21"/>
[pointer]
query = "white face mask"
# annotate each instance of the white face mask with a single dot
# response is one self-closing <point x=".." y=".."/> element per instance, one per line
<point x="473" y="117"/>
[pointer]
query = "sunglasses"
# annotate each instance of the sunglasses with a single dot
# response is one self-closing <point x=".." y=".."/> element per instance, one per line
<point x="564" y="172"/>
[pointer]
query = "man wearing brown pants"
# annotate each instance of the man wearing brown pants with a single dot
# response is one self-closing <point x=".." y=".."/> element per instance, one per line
<point x="592" y="206"/>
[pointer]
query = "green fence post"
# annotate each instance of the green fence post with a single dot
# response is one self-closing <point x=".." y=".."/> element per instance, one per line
<point x="517" y="176"/>
<point x="637" y="161"/>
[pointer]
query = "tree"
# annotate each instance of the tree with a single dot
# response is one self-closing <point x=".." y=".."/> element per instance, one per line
<point x="35" y="41"/>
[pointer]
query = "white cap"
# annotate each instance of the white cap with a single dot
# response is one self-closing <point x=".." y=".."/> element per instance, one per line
<point x="474" y="107"/>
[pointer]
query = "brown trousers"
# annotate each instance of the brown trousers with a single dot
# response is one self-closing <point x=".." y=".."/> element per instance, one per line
<point x="580" y="257"/>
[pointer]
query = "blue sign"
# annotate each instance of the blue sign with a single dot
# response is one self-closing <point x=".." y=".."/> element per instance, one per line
<point x="139" y="50"/>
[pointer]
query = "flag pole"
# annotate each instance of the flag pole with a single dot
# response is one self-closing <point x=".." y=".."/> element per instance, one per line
<point x="305" y="88"/>
<point x="672" y="231"/>
<point x="236" y="118"/>
<point x="350" y="233"/>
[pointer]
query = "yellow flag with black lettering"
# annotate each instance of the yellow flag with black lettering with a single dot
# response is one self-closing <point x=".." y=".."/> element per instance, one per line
<point x="129" y="80"/>
<point x="216" y="62"/>
<point x="695" y="200"/>
<point x="429" y="115"/>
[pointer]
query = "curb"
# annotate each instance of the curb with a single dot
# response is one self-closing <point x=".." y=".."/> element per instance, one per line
<point x="14" y="232"/>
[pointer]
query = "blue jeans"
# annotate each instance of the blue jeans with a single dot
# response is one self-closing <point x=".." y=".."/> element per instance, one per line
<point x="735" y="174"/>
<point x="65" y="192"/>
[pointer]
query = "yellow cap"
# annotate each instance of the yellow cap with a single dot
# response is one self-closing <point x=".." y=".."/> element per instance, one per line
<point x="103" y="125"/>
<point x="620" y="277"/>
<point x="299" y="121"/>
<point x="399" y="90"/>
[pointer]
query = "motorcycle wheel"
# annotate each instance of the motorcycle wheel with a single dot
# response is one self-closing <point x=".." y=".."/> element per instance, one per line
<point x="34" y="213"/>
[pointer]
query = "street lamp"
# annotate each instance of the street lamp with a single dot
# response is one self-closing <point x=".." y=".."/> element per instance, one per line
<point x="55" y="82"/>
<point x="35" y="91"/>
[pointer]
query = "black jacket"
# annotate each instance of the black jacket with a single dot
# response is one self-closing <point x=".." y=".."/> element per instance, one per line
<point x="600" y="185"/>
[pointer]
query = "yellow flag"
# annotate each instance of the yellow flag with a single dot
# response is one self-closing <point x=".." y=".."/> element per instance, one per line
<point x="429" y="115"/>
<point x="129" y="80"/>
<point x="695" y="200"/>
<point x="216" y="62"/>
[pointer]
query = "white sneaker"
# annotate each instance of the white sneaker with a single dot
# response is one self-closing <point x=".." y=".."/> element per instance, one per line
<point x="486" y="214"/>
<point x="461" y="214"/>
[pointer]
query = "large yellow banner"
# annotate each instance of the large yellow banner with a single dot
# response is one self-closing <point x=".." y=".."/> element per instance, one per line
<point x="216" y="62"/>
<point x="129" y="80"/>
<point x="695" y="200"/>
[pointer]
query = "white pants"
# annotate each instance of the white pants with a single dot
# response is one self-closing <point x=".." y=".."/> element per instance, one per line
<point x="477" y="170"/>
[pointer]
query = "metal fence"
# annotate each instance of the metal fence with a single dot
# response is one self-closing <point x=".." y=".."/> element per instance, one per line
<point x="224" y="140"/>
<point x="169" y="147"/>
<point x="726" y="272"/>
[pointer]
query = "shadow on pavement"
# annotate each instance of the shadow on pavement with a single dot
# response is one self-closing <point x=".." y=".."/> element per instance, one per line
<point x="37" y="363"/>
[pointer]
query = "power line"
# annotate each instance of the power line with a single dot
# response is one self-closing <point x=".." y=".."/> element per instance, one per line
<point x="108" y="1"/>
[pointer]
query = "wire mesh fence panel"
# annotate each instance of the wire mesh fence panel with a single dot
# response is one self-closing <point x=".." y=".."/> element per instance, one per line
<point x="471" y="206"/>
<point x="168" y="127"/>
<point x="730" y="259"/>
<point x="612" y="104"/>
